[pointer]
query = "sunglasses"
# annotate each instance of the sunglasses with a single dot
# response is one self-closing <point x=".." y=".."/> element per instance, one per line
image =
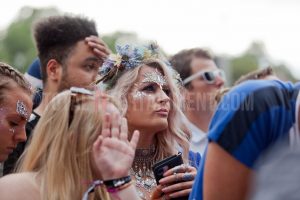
<point x="208" y="76"/>
<point x="75" y="92"/>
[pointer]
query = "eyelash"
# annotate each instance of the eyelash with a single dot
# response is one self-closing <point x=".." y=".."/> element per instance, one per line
<point x="13" y="124"/>
<point x="151" y="88"/>
<point x="90" y="67"/>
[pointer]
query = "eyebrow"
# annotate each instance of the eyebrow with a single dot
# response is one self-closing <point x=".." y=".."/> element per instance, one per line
<point x="93" y="59"/>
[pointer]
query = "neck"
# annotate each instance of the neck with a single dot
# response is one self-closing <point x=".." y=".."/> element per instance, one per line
<point x="199" y="118"/>
<point x="146" y="138"/>
<point x="48" y="95"/>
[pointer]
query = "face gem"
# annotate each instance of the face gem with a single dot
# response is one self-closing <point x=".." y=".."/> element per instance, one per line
<point x="21" y="109"/>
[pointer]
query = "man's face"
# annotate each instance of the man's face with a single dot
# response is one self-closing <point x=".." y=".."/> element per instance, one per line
<point x="200" y="91"/>
<point x="81" y="67"/>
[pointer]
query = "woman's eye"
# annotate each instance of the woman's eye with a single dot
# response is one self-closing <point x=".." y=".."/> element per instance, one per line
<point x="13" y="124"/>
<point x="90" y="67"/>
<point x="149" y="88"/>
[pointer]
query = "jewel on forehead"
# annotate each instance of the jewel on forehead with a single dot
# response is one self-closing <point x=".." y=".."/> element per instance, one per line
<point x="155" y="77"/>
<point x="21" y="109"/>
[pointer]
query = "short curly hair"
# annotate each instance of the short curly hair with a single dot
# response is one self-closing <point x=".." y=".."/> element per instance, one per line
<point x="56" y="36"/>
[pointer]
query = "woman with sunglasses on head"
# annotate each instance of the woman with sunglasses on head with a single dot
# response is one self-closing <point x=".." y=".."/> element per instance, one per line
<point x="15" y="108"/>
<point x="150" y="100"/>
<point x="80" y="141"/>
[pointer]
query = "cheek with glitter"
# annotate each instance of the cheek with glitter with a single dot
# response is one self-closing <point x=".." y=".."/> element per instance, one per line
<point x="12" y="130"/>
<point x="139" y="95"/>
<point x="22" y="109"/>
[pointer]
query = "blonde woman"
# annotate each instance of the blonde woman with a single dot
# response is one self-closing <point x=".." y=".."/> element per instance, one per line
<point x="15" y="109"/>
<point x="74" y="144"/>
<point x="150" y="101"/>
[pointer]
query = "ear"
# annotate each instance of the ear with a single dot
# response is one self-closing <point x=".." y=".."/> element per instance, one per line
<point x="54" y="70"/>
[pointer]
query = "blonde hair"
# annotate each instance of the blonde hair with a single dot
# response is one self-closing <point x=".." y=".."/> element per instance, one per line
<point x="61" y="153"/>
<point x="9" y="75"/>
<point x="174" y="134"/>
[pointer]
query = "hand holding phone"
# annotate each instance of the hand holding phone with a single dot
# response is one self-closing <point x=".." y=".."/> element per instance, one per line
<point x="164" y="165"/>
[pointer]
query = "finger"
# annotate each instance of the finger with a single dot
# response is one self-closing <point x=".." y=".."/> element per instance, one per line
<point x="134" y="139"/>
<point x="97" y="144"/>
<point x="106" y="124"/>
<point x="181" y="193"/>
<point x="100" y="54"/>
<point x="180" y="169"/>
<point x="95" y="39"/>
<point x="182" y="177"/>
<point x="115" y="129"/>
<point x="99" y="47"/>
<point x="124" y="130"/>
<point x="178" y="186"/>
<point x="157" y="193"/>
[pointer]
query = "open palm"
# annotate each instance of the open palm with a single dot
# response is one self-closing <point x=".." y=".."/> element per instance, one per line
<point x="112" y="152"/>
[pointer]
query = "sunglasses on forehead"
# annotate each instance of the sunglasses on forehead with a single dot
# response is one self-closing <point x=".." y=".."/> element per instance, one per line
<point x="208" y="76"/>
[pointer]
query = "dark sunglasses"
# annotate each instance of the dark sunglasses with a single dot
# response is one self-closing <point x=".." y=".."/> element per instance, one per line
<point x="208" y="76"/>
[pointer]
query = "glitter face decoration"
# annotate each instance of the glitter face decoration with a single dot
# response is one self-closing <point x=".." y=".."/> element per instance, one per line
<point x="151" y="77"/>
<point x="21" y="109"/>
<point x="155" y="77"/>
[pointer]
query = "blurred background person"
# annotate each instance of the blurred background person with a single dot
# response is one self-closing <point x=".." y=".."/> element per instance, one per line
<point x="15" y="109"/>
<point x="70" y="54"/>
<point x="201" y="79"/>
<point x="80" y="138"/>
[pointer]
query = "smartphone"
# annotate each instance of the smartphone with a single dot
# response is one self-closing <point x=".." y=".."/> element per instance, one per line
<point x="164" y="165"/>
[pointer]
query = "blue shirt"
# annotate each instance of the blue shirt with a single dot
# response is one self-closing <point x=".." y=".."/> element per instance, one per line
<point x="250" y="118"/>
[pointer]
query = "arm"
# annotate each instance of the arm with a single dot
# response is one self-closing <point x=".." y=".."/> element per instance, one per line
<point x="225" y="178"/>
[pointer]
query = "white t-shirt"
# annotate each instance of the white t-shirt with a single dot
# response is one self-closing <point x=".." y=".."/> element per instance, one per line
<point x="199" y="139"/>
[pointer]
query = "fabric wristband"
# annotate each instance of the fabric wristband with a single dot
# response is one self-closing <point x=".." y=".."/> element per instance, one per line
<point x="115" y="183"/>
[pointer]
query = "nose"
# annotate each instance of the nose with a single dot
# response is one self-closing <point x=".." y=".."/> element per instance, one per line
<point x="20" y="136"/>
<point x="163" y="97"/>
<point x="219" y="82"/>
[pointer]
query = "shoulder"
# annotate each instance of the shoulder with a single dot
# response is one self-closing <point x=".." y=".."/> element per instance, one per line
<point x="18" y="186"/>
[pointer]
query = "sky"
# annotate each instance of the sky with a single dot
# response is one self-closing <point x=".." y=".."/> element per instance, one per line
<point x="224" y="26"/>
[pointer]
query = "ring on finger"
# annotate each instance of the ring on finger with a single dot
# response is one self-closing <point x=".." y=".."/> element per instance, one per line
<point x="175" y="170"/>
<point x="187" y="177"/>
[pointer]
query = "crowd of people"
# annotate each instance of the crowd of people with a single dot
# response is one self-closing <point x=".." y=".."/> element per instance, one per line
<point x="84" y="123"/>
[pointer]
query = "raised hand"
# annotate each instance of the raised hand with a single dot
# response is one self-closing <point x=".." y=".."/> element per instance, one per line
<point x="112" y="152"/>
<point x="98" y="46"/>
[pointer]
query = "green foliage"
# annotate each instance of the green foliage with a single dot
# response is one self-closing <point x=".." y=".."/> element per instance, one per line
<point x="17" y="47"/>
<point x="243" y="65"/>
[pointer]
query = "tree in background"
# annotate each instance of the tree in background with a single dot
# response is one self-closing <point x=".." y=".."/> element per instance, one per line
<point x="16" y="43"/>
<point x="17" y="47"/>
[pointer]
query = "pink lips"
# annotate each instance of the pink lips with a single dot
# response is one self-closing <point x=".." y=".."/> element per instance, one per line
<point x="163" y="112"/>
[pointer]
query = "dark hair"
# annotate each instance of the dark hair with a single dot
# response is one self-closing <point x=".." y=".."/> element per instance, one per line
<point x="55" y="36"/>
<point x="182" y="61"/>
<point x="7" y="75"/>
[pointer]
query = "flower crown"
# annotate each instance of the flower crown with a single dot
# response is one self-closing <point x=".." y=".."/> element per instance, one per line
<point x="129" y="57"/>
